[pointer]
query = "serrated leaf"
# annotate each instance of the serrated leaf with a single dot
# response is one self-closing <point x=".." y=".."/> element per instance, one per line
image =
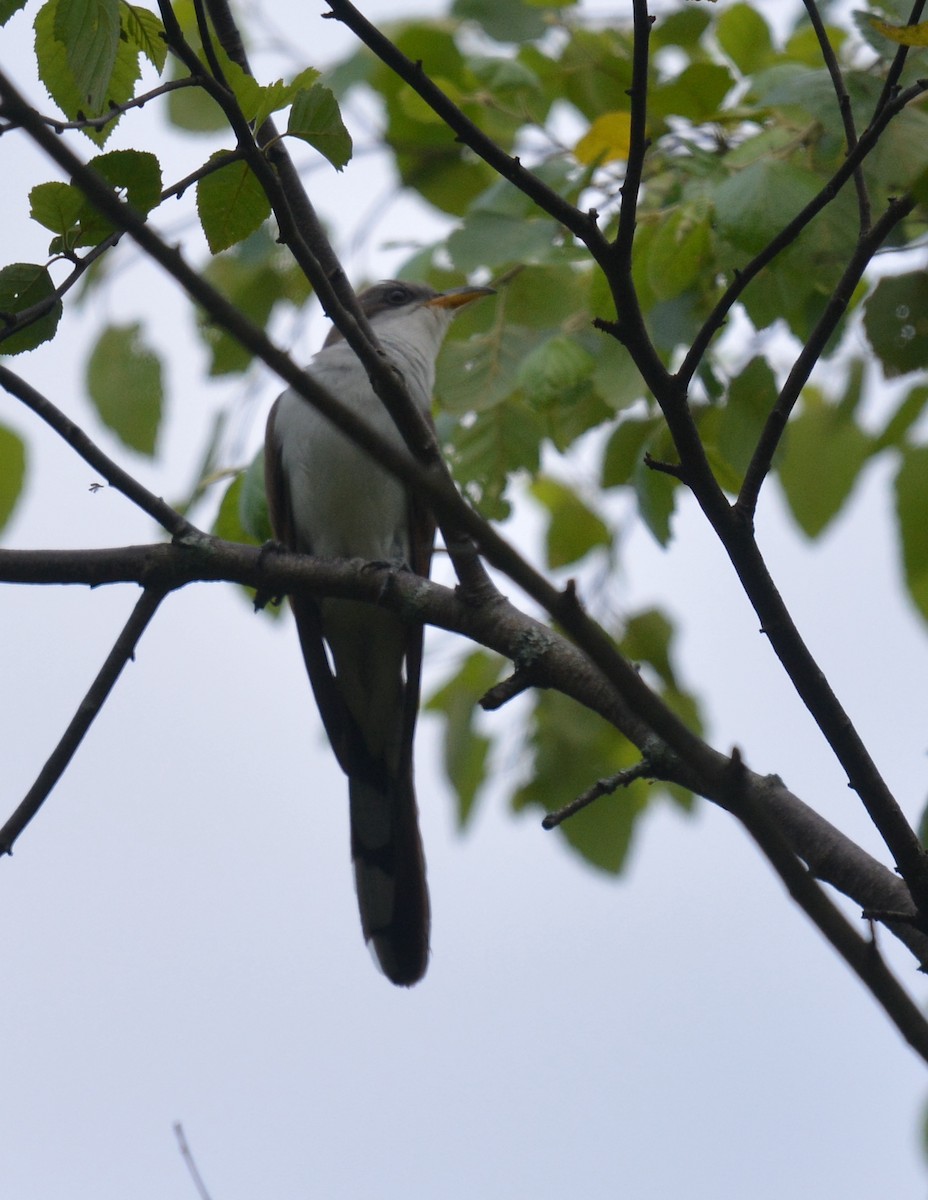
<point x="145" y="31"/>
<point x="231" y="205"/>
<point x="124" y="382"/>
<point x="896" y="322"/>
<point x="824" y="452"/>
<point x="21" y="286"/>
<point x="315" y="118"/>
<point x="55" y="71"/>
<point x="8" y="8"/>
<point x="464" y="748"/>
<point x="555" y="371"/>
<point x="12" y="472"/>
<point x="478" y="373"/>
<point x="485" y="453"/>
<point x="136" y="175"/>
<point x="573" y="528"/>
<point x="608" y="139"/>
<point x="89" y="30"/>
<point x="911" y="510"/>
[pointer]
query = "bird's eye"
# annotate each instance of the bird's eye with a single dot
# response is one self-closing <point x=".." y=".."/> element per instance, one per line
<point x="397" y="295"/>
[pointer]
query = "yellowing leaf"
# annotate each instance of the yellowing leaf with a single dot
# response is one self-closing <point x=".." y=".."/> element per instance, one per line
<point x="606" y="140"/>
<point x="903" y="35"/>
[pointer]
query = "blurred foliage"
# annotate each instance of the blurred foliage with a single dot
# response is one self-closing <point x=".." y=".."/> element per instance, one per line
<point x="744" y="130"/>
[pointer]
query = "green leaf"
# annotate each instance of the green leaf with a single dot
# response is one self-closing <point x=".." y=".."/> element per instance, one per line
<point x="124" y="382"/>
<point x="55" y="68"/>
<point x="56" y="206"/>
<point x="824" y="452"/>
<point x="89" y="30"/>
<point x="145" y="31"/>
<point x="21" y="286"/>
<point x="751" y="398"/>
<point x="555" y="371"/>
<point x="902" y="420"/>
<point x="571" y="748"/>
<point x="656" y="494"/>
<point x="315" y="118"/>
<point x="253" y="512"/>
<point x="255" y="276"/>
<point x="464" y="748"/>
<point x="479" y="372"/>
<point x="679" y="250"/>
<point x="896" y="322"/>
<point x="486" y="452"/>
<point x="9" y="8"/>
<point x="626" y="448"/>
<point x="231" y="204"/>
<point x="489" y="239"/>
<point x="745" y="37"/>
<point x="503" y="22"/>
<point x="754" y="204"/>
<point x="12" y="472"/>
<point x="573" y="528"/>
<point x="911" y="507"/>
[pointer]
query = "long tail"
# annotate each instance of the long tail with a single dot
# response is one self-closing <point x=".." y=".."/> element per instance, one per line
<point x="389" y="872"/>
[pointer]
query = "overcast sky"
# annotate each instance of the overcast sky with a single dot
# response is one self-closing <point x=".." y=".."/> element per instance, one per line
<point x="178" y="927"/>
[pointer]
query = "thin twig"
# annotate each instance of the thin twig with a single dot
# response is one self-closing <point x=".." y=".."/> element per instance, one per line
<point x="602" y="787"/>
<point x="867" y="142"/>
<point x="167" y="517"/>
<point x="97" y="695"/>
<point x="895" y="71"/>
<point x="581" y="224"/>
<point x="775" y="425"/>
<point x="844" y="107"/>
<point x="189" y="1161"/>
<point x="638" y="140"/>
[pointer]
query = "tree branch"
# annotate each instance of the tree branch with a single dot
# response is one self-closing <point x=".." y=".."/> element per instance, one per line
<point x="581" y="224"/>
<point x="844" y="107"/>
<point x="775" y="425"/>
<point x="555" y="663"/>
<point x="97" y="695"/>
<point x="867" y="142"/>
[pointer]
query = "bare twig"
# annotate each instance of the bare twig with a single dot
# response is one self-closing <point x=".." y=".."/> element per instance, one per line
<point x="866" y="143"/>
<point x="638" y="142"/>
<point x="602" y="787"/>
<point x="75" y="437"/>
<point x="581" y="224"/>
<point x="844" y="106"/>
<point x="123" y="649"/>
<point x="841" y="296"/>
<point x="895" y="71"/>
<point x="189" y="1161"/>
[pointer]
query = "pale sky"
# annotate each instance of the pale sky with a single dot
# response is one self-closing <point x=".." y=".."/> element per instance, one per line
<point x="179" y="932"/>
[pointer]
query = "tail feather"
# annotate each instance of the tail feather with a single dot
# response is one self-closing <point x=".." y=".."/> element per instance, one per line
<point x="389" y="871"/>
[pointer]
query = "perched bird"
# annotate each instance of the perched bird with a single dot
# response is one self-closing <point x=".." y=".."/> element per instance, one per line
<point x="329" y="498"/>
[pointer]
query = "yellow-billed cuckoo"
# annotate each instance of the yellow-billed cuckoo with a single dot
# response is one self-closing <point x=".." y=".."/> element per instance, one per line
<point x="330" y="498"/>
